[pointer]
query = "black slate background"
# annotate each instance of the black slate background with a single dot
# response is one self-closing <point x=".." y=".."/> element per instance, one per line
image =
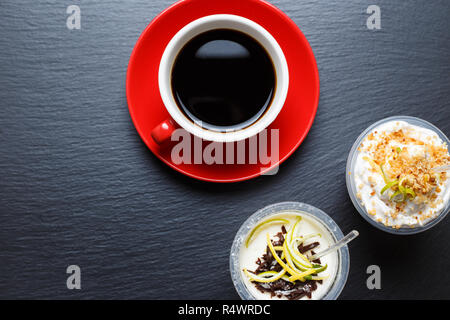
<point x="77" y="185"/>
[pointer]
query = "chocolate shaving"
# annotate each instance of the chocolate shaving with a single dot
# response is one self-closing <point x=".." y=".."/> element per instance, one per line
<point x="280" y="288"/>
<point x="304" y="249"/>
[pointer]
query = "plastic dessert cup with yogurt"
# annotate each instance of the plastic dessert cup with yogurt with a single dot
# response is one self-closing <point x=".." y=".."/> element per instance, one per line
<point x="258" y="275"/>
<point x="393" y="175"/>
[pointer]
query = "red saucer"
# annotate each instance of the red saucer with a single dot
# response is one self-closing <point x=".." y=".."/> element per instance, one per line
<point x="147" y="109"/>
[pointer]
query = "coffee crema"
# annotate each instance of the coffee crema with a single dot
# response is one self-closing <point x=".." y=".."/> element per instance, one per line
<point x="223" y="79"/>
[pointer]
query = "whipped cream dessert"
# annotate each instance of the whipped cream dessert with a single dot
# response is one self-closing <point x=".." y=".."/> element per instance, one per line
<point x="396" y="178"/>
<point x="297" y="277"/>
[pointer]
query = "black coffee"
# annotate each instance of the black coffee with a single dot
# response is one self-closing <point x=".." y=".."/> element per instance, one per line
<point x="223" y="78"/>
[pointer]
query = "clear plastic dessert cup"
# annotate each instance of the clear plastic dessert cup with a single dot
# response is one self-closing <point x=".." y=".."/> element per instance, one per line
<point x="351" y="186"/>
<point x="316" y="215"/>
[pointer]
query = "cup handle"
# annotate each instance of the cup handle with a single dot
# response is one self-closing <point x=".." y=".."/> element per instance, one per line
<point x="163" y="131"/>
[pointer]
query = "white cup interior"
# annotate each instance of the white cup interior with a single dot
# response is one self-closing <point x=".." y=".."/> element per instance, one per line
<point x="233" y="22"/>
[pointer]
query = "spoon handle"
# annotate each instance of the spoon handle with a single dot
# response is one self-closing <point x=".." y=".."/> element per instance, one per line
<point x="349" y="237"/>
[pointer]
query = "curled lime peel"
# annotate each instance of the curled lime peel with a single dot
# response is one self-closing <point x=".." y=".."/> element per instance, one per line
<point x="302" y="275"/>
<point x="275" y="255"/>
<point x="289" y="259"/>
<point x="262" y="224"/>
<point x="389" y="186"/>
<point x="385" y="177"/>
<point x="311" y="277"/>
<point x="299" y="259"/>
<point x="410" y="192"/>
<point x="265" y="277"/>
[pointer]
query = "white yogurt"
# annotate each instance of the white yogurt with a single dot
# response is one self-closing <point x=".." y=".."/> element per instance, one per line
<point x="379" y="205"/>
<point x="257" y="247"/>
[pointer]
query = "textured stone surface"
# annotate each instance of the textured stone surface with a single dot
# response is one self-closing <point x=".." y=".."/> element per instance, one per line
<point x="79" y="187"/>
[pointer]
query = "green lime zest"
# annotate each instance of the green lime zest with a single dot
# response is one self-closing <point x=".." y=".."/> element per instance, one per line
<point x="398" y="150"/>
<point x="299" y="259"/>
<point x="321" y="268"/>
<point x="262" y="224"/>
<point x="311" y="277"/>
<point x="410" y="192"/>
<point x="389" y="185"/>
<point x="404" y="191"/>
<point x="318" y="269"/>
<point x="268" y="276"/>
<point x="385" y="177"/>
<point x="401" y="187"/>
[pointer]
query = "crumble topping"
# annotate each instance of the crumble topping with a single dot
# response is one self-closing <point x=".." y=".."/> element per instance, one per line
<point x="401" y="180"/>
